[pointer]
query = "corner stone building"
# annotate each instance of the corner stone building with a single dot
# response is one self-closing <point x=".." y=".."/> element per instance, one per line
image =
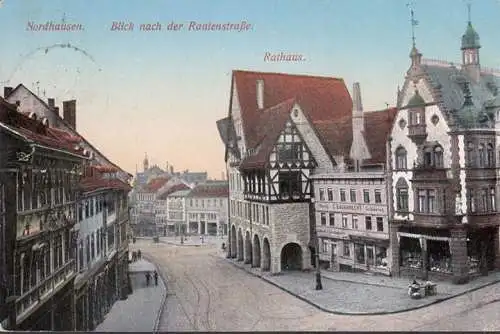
<point x="272" y="150"/>
<point x="445" y="160"/>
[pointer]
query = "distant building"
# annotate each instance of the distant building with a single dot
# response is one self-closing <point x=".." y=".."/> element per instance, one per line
<point x="207" y="208"/>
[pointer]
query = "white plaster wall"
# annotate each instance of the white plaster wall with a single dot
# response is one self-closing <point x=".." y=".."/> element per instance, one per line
<point x="317" y="150"/>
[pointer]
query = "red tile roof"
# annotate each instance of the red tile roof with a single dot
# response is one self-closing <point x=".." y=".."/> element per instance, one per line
<point x="215" y="189"/>
<point x="33" y="130"/>
<point x="94" y="183"/>
<point x="173" y="189"/>
<point x="271" y="122"/>
<point x="155" y="184"/>
<point x="322" y="98"/>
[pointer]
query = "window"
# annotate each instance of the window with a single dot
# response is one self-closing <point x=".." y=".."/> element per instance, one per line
<point x="427" y="200"/>
<point x="482" y="155"/>
<point x="470" y="154"/>
<point x="368" y="223"/>
<point x="438" y="157"/>
<point x="289" y="151"/>
<point x="400" y="158"/>
<point x="347" y="250"/>
<point x="344" y="221"/>
<point x="354" y="222"/>
<point x="484" y="199"/>
<point x="342" y="195"/>
<point x="353" y="195"/>
<point x="92" y="246"/>
<point x="359" y="251"/>
<point x="366" y="196"/>
<point x="471" y="203"/>
<point x="330" y="194"/>
<point x="402" y="195"/>
<point x="323" y="218"/>
<point x="490" y="157"/>
<point x="289" y="184"/>
<point x="321" y="194"/>
<point x="324" y="245"/>
<point x="332" y="219"/>
<point x="493" y="206"/>
<point x="88" y="249"/>
<point x="380" y="224"/>
<point x="378" y="196"/>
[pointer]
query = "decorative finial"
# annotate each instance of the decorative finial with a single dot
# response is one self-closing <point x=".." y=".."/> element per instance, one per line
<point x="413" y="22"/>
<point x="468" y="11"/>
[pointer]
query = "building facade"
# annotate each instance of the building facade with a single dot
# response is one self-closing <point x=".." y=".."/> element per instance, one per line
<point x="351" y="207"/>
<point x="444" y="165"/>
<point x="207" y="208"/>
<point x="64" y="128"/>
<point x="40" y="174"/>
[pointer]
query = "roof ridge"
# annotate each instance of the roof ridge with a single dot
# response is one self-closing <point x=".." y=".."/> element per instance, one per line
<point x="317" y="76"/>
<point x="278" y="105"/>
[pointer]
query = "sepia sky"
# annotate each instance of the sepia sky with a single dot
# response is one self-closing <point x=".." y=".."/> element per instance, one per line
<point x="163" y="91"/>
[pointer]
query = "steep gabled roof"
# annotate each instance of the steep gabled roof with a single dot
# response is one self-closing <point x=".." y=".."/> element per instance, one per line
<point x="322" y="98"/>
<point x="173" y="189"/>
<point x="378" y="126"/>
<point x="90" y="184"/>
<point x="271" y="122"/>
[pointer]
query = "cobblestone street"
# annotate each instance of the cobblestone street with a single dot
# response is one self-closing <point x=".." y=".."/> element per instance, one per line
<point x="208" y="293"/>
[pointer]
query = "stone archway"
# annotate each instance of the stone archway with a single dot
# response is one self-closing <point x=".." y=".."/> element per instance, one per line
<point x="256" y="251"/>
<point x="266" y="254"/>
<point x="240" y="245"/>
<point x="234" y="248"/>
<point x="248" y="248"/>
<point x="291" y="257"/>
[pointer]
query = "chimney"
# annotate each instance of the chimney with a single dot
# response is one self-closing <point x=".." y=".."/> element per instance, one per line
<point x="69" y="113"/>
<point x="260" y="94"/>
<point x="51" y="102"/>
<point x="7" y="91"/>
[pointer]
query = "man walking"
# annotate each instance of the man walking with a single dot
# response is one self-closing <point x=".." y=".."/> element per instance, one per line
<point x="156" y="278"/>
<point x="148" y="276"/>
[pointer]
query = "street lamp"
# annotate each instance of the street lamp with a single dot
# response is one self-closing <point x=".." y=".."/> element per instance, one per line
<point x="319" y="285"/>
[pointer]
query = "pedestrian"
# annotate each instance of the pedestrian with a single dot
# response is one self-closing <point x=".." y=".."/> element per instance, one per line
<point x="156" y="277"/>
<point x="139" y="254"/>
<point x="148" y="276"/>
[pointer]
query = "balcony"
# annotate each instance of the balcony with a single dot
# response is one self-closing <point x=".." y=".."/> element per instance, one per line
<point x="417" y="133"/>
<point x="31" y="300"/>
<point x="422" y="173"/>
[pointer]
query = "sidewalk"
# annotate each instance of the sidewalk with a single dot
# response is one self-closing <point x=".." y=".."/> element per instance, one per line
<point x="360" y="294"/>
<point x="139" y="312"/>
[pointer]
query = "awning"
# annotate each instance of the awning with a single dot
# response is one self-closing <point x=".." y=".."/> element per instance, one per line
<point x="141" y="266"/>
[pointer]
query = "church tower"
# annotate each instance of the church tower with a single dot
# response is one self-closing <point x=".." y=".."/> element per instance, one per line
<point x="146" y="162"/>
<point x="470" y="51"/>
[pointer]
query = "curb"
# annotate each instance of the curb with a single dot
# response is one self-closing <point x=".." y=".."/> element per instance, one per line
<point x="164" y="299"/>
<point x="437" y="301"/>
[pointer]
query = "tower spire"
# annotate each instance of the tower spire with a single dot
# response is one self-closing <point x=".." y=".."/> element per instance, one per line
<point x="468" y="12"/>
<point x="413" y="23"/>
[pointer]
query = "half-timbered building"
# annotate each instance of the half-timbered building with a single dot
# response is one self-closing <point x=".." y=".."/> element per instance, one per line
<point x="40" y="176"/>
<point x="272" y="149"/>
<point x="445" y="161"/>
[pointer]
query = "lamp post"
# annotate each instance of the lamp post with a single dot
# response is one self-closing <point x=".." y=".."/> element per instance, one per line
<point x="319" y="285"/>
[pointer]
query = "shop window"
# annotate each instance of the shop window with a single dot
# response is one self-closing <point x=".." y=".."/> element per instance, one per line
<point x="330" y="194"/>
<point x="401" y="158"/>
<point x="323" y="218"/>
<point x="370" y="256"/>
<point x="439" y="256"/>
<point x="353" y="195"/>
<point x="381" y="257"/>
<point x="347" y="249"/>
<point x="332" y="219"/>
<point x="380" y="224"/>
<point x="321" y="194"/>
<point x="366" y="196"/>
<point x="359" y="251"/>
<point x="378" y="196"/>
<point x="490" y="156"/>
<point x="411" y="253"/>
<point x="368" y="223"/>
<point x="342" y="195"/>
